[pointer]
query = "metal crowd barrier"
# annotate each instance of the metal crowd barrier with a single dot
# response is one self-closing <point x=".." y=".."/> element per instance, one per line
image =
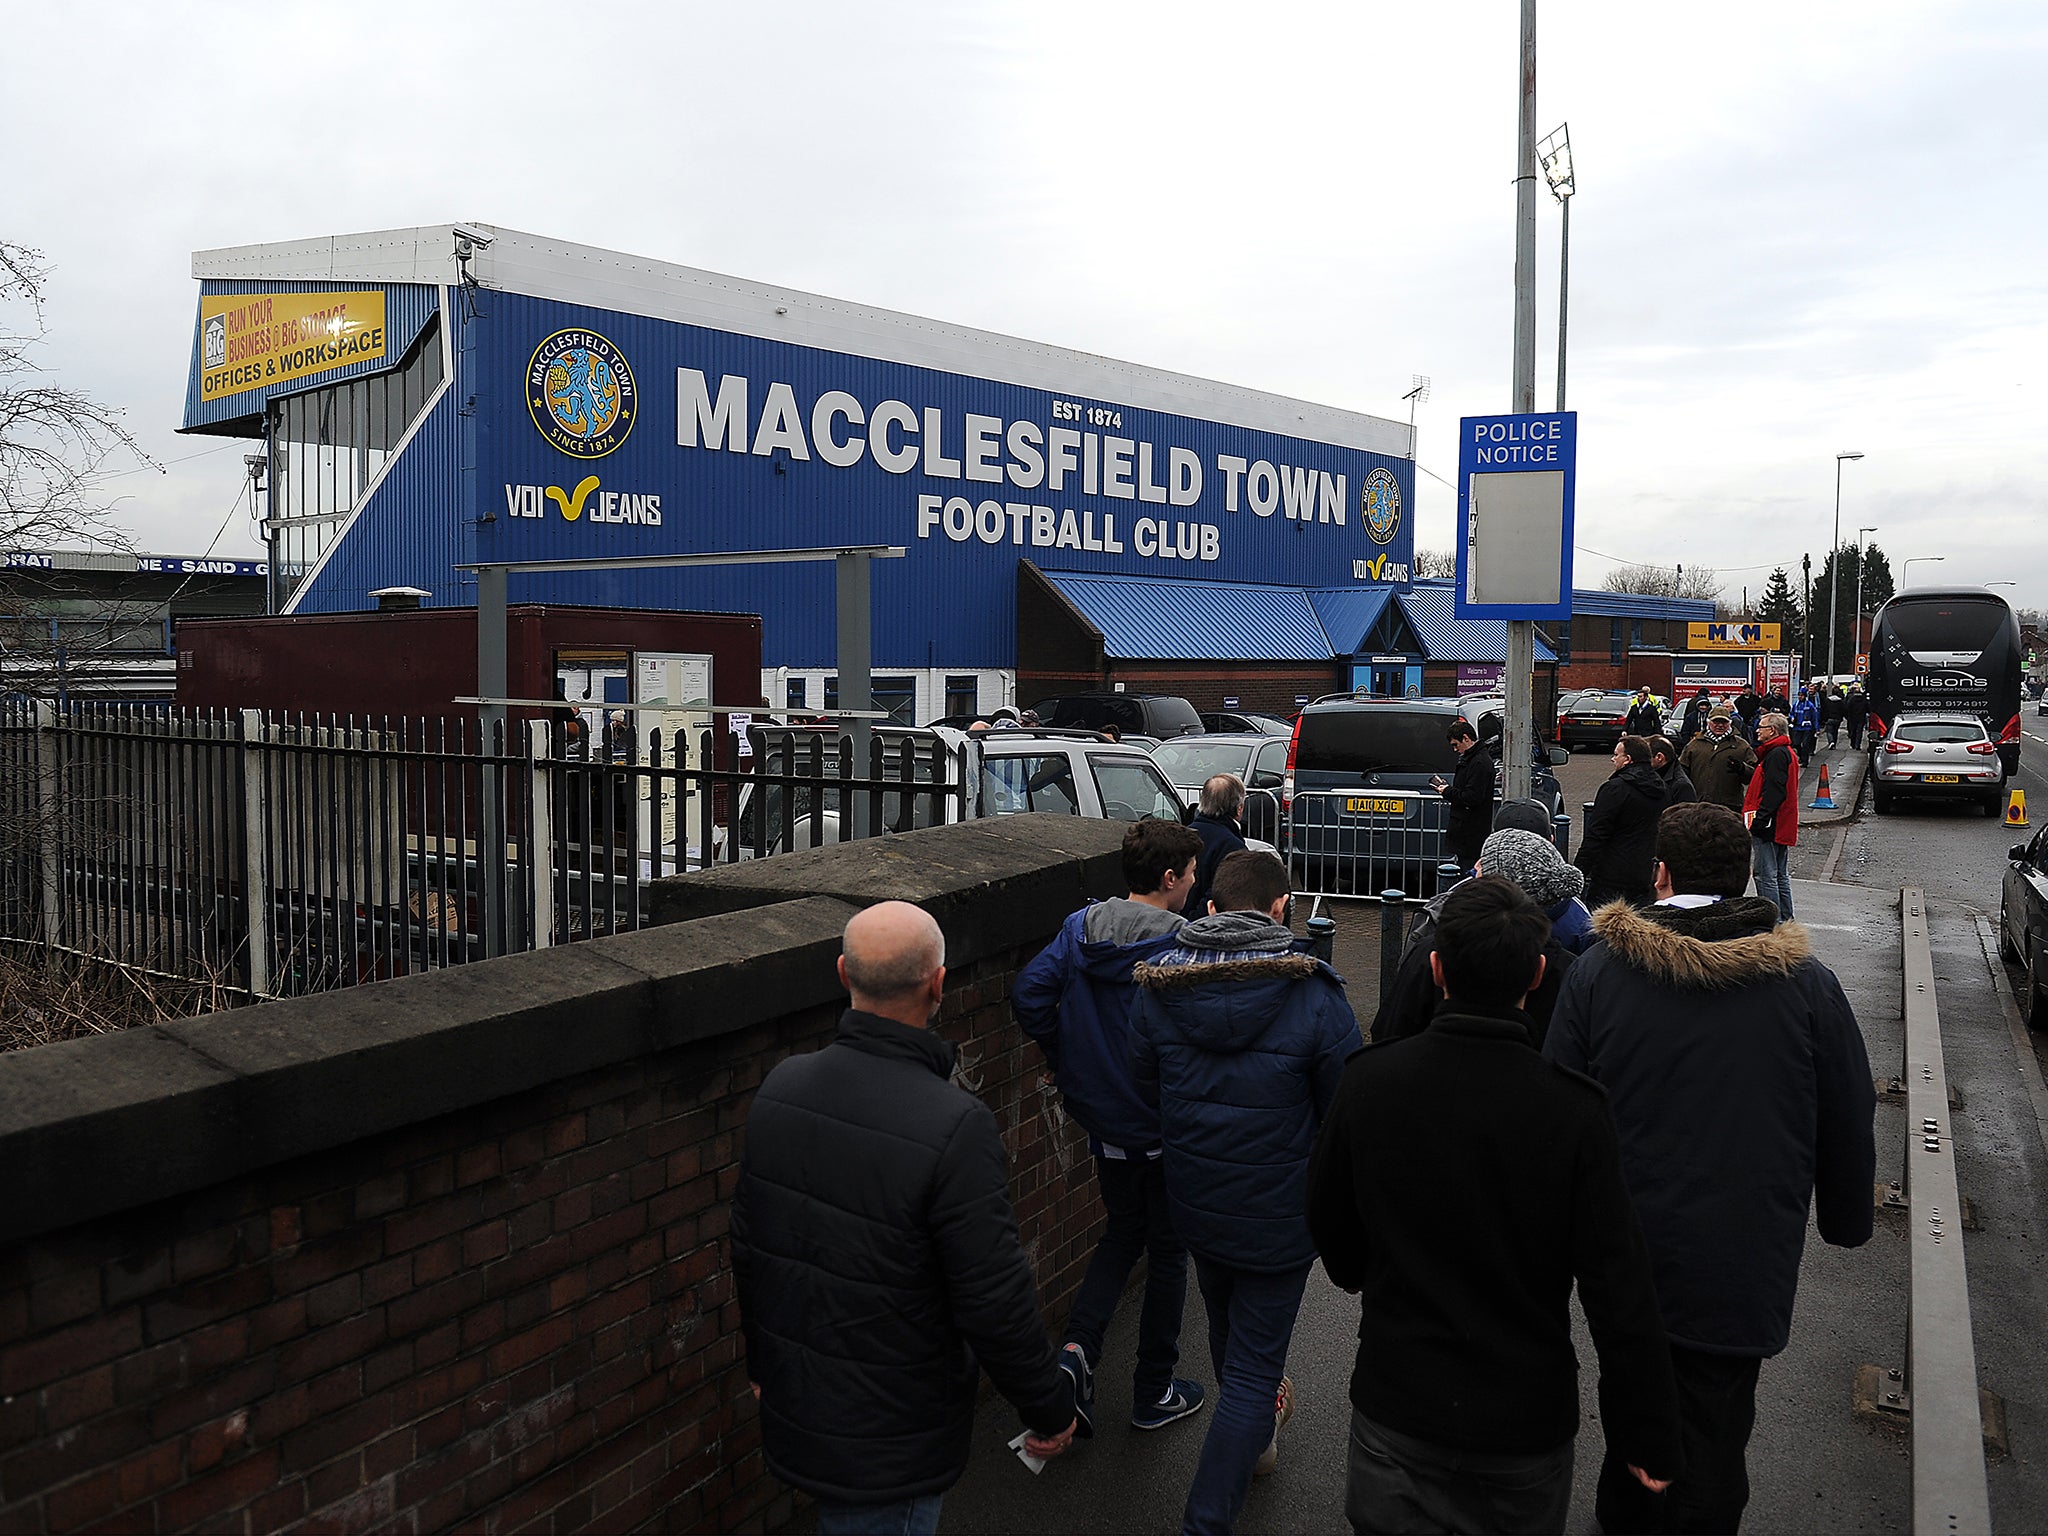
<point x="1950" y="1494"/>
<point x="1359" y="844"/>
<point x="1262" y="818"/>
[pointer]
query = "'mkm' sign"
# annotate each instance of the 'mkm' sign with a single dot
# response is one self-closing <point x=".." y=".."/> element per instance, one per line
<point x="1732" y="637"/>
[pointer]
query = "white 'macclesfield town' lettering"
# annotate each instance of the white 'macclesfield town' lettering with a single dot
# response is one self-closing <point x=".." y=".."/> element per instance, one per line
<point x="1023" y="454"/>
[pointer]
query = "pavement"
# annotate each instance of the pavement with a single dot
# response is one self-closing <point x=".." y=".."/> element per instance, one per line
<point x="1813" y="1465"/>
<point x="1847" y="766"/>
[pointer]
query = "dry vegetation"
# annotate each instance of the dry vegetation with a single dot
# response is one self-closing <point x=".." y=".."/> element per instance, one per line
<point x="44" y="1000"/>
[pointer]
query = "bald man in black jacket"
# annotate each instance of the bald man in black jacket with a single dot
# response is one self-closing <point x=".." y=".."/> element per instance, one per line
<point x="876" y="1253"/>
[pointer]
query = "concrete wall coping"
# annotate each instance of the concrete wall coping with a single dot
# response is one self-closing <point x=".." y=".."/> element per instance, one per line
<point x="95" y="1126"/>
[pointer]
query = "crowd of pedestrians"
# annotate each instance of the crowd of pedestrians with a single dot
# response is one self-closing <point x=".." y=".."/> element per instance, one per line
<point x="1746" y="757"/>
<point x="1553" y="1099"/>
<point x="1820" y="709"/>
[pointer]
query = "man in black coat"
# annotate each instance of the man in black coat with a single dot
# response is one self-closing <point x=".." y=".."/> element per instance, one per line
<point x="1695" y="718"/>
<point x="1643" y="717"/>
<point x="876" y="1254"/>
<point x="1831" y="713"/>
<point x="1678" y="785"/>
<point x="1742" y="1092"/>
<point x="1621" y="828"/>
<point x="1468" y="793"/>
<point x="1465" y="1398"/>
<point x="1219" y="824"/>
<point x="1747" y="707"/>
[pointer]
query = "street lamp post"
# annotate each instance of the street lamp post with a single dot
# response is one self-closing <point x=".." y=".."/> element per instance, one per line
<point x="1835" y="561"/>
<point x="1806" y="623"/>
<point x="1906" y="565"/>
<point x="1518" y="732"/>
<point x="1856" y="633"/>
<point x="1555" y="153"/>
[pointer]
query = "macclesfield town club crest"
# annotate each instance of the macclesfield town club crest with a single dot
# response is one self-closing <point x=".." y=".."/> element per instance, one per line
<point x="1379" y="506"/>
<point x="580" y="393"/>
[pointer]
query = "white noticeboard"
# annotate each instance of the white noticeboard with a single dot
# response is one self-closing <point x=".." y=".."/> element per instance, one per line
<point x="1514" y="533"/>
<point x="681" y="681"/>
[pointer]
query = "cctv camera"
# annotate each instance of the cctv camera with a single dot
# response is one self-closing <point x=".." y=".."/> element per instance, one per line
<point x="471" y="237"/>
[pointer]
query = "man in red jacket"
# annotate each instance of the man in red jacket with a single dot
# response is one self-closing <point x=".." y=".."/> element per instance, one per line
<point x="1771" y="807"/>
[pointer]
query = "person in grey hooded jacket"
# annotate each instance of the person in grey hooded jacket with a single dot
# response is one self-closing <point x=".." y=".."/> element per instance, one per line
<point x="1241" y="1039"/>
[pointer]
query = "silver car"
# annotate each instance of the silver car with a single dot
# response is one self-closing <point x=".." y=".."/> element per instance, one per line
<point x="1948" y="756"/>
<point x="1260" y="762"/>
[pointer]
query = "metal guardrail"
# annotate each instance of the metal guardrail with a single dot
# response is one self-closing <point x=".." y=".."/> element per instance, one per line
<point x="1950" y="1493"/>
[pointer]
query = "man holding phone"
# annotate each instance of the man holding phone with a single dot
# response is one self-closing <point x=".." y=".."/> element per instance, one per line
<point x="1468" y="792"/>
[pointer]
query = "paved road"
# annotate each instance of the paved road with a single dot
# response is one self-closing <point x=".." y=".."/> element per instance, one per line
<point x="1954" y="852"/>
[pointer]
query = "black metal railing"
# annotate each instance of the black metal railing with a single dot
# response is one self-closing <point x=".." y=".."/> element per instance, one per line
<point x="276" y="855"/>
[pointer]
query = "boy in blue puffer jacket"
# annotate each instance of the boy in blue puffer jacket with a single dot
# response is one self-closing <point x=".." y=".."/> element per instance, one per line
<point x="1240" y="1041"/>
<point x="1074" y="999"/>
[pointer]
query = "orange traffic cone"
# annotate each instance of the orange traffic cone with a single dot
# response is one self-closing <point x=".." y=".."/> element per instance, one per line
<point x="2016" y="808"/>
<point x="1822" y="800"/>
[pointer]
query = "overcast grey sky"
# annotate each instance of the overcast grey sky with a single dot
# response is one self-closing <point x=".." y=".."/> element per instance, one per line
<point x="1802" y="228"/>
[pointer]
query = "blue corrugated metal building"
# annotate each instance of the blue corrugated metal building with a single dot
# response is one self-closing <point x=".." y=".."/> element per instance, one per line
<point x="436" y="396"/>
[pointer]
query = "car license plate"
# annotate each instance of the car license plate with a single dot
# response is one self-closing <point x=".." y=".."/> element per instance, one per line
<point x="1374" y="805"/>
<point x="1940" y="778"/>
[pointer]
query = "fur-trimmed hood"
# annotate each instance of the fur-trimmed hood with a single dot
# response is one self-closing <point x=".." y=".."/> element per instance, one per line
<point x="1229" y="979"/>
<point x="1234" y="972"/>
<point x="1733" y="943"/>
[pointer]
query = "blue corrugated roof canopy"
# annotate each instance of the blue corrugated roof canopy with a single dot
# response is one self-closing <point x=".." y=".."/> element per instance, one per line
<point x="1363" y="620"/>
<point x="1445" y="637"/>
<point x="1145" y="617"/>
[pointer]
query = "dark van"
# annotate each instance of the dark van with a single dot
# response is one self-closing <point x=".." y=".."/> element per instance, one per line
<point x="1361" y="815"/>
<point x="1133" y="714"/>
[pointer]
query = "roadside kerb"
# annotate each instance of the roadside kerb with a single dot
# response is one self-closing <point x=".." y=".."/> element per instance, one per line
<point x="1950" y="1493"/>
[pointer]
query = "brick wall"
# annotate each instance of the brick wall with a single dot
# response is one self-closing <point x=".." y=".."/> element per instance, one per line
<point x="515" y="1314"/>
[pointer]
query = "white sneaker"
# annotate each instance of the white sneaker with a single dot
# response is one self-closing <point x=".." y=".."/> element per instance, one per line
<point x="1283" y="1410"/>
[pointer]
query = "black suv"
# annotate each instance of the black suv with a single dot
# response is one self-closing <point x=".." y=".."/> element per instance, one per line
<point x="1361" y="814"/>
<point x="1133" y="714"/>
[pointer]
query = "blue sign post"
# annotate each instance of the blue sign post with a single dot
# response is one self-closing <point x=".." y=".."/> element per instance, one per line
<point x="1517" y="477"/>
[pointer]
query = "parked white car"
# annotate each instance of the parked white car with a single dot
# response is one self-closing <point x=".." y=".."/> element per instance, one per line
<point x="1069" y="773"/>
<point x="1945" y="756"/>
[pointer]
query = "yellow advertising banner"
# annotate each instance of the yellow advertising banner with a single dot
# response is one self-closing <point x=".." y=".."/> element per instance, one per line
<point x="1733" y="637"/>
<point x="254" y="340"/>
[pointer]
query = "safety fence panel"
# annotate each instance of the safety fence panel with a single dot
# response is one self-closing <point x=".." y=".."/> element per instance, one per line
<point x="1346" y="843"/>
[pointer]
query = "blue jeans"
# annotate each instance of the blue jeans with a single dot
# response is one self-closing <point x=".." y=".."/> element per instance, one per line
<point x="1771" y="860"/>
<point x="906" y="1517"/>
<point x="1251" y="1322"/>
<point x="1134" y="1197"/>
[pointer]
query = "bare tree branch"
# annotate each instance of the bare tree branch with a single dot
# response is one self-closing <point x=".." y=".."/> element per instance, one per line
<point x="1694" y="581"/>
<point x="54" y="441"/>
<point x="1436" y="562"/>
